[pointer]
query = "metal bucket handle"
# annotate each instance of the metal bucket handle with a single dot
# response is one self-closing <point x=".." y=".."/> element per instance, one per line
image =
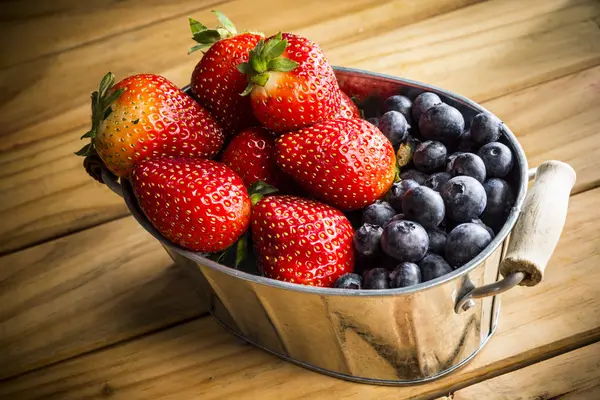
<point x="536" y="233"/>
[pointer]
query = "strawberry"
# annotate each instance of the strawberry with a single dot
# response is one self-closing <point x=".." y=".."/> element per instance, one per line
<point x="290" y="83"/>
<point x="146" y="116"/>
<point x="347" y="108"/>
<point x="216" y="82"/>
<point x="250" y="154"/>
<point x="301" y="241"/>
<point x="347" y="163"/>
<point x="200" y="205"/>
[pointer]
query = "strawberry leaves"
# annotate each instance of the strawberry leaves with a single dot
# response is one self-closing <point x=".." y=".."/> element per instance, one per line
<point x="265" y="58"/>
<point x="207" y="37"/>
<point x="101" y="101"/>
<point x="258" y="190"/>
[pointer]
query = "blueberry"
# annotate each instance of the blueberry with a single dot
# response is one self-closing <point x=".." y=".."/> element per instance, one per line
<point x="366" y="240"/>
<point x="451" y="159"/>
<point x="433" y="266"/>
<point x="405" y="241"/>
<point x="437" y="240"/>
<point x="397" y="217"/>
<point x="500" y="199"/>
<point x="423" y="205"/>
<point x="479" y="222"/>
<point x="464" y="198"/>
<point x="498" y="159"/>
<point x="378" y="213"/>
<point x="413" y="174"/>
<point x="348" y="281"/>
<point x="405" y="274"/>
<point x="429" y="156"/>
<point x="465" y="242"/>
<point x="394" y="126"/>
<point x="485" y="128"/>
<point x="422" y="103"/>
<point x="398" y="190"/>
<point x="437" y="180"/>
<point x="468" y="164"/>
<point x="376" y="278"/>
<point x="466" y="143"/>
<point x="442" y="122"/>
<point x="374" y="121"/>
<point x="399" y="103"/>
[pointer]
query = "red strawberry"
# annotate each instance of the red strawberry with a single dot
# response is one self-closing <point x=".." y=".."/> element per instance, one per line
<point x="301" y="241"/>
<point x="250" y="154"/>
<point x="348" y="109"/>
<point x="216" y="82"/>
<point x="291" y="84"/>
<point x="200" y="205"/>
<point x="146" y="116"/>
<point x="348" y="163"/>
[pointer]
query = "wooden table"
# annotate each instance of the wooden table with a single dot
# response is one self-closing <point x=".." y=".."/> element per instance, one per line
<point x="92" y="307"/>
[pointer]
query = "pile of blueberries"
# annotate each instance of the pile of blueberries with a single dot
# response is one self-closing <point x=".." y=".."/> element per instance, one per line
<point x="450" y="202"/>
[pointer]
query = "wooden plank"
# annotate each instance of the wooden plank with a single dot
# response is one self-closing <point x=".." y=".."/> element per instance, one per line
<point x="486" y="50"/>
<point x="39" y="28"/>
<point x="558" y="120"/>
<point x="41" y="154"/>
<point x="585" y="394"/>
<point x="198" y="360"/>
<point x="139" y="50"/>
<point x="575" y="371"/>
<point x="86" y="291"/>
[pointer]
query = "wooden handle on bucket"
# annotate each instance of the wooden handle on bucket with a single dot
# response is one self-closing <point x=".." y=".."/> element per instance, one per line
<point x="536" y="233"/>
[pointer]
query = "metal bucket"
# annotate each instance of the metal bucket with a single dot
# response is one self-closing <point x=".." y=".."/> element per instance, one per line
<point x="394" y="336"/>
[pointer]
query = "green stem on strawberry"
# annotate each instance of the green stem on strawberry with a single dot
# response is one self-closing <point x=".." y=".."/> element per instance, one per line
<point x="101" y="101"/>
<point x="206" y="37"/>
<point x="265" y="58"/>
<point x="258" y="190"/>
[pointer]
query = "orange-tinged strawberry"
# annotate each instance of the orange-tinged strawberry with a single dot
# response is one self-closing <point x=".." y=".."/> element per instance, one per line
<point x="215" y="81"/>
<point x="347" y="163"/>
<point x="347" y="108"/>
<point x="146" y="116"/>
<point x="290" y="83"/>
<point x="250" y="154"/>
<point x="201" y="205"/>
<point x="301" y="241"/>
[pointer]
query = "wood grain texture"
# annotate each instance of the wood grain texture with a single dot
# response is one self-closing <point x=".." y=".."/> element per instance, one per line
<point x="39" y="28"/>
<point x="486" y="50"/>
<point x="199" y="360"/>
<point x="86" y="291"/>
<point x="558" y="120"/>
<point x="560" y="377"/>
<point x="161" y="48"/>
<point x="556" y="35"/>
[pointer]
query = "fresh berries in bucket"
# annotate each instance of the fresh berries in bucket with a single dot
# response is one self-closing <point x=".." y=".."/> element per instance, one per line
<point x="146" y="116"/>
<point x="426" y="186"/>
